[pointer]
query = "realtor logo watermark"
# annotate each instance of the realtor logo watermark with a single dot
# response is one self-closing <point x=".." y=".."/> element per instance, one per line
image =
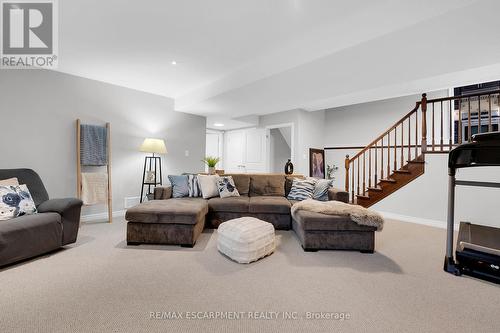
<point x="29" y="35"/>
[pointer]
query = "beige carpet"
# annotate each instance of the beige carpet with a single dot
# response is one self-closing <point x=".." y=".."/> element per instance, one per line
<point x="101" y="285"/>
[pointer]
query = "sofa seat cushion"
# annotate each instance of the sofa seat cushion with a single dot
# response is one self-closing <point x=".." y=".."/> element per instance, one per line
<point x="29" y="235"/>
<point x="312" y="221"/>
<point x="269" y="205"/>
<point x="178" y="211"/>
<point x="229" y="204"/>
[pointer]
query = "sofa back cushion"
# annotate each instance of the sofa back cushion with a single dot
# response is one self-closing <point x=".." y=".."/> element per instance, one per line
<point x="242" y="183"/>
<point x="267" y="185"/>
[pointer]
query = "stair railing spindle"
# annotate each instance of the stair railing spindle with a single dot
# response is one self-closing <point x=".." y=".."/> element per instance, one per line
<point x="364" y="174"/>
<point x="433" y="128"/>
<point x="489" y="114"/>
<point x="370" y="167"/>
<point x="409" y="138"/>
<point x="376" y="154"/>
<point x="388" y="154"/>
<point x="442" y="126"/>
<point x="450" y="143"/>
<point x="469" y="135"/>
<point x="395" y="147"/>
<point x="402" y="145"/>
<point x="357" y="192"/>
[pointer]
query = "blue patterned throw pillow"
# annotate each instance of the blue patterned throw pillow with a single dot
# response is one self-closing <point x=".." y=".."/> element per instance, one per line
<point x="15" y="201"/>
<point x="226" y="187"/>
<point x="180" y="186"/>
<point x="302" y="189"/>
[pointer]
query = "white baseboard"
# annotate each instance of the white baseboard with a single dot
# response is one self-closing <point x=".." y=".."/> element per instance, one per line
<point x="416" y="220"/>
<point x="101" y="216"/>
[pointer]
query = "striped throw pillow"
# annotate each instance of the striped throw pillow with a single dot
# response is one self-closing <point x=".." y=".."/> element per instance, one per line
<point x="194" y="189"/>
<point x="302" y="189"/>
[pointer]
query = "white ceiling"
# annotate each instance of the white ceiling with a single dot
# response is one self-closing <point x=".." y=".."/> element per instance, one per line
<point x="239" y="58"/>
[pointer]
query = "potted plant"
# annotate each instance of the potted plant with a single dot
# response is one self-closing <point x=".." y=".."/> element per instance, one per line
<point x="211" y="162"/>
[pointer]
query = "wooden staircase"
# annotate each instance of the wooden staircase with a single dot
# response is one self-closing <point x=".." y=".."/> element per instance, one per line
<point x="397" y="156"/>
<point x="397" y="179"/>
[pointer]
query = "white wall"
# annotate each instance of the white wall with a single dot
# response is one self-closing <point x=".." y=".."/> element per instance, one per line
<point x="426" y="197"/>
<point x="358" y="125"/>
<point x="308" y="130"/>
<point x="279" y="151"/>
<point x="38" y="110"/>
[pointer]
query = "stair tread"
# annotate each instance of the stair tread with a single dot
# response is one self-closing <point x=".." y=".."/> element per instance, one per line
<point x="416" y="162"/>
<point x="390" y="180"/>
<point x="376" y="189"/>
<point x="402" y="171"/>
<point x="360" y="196"/>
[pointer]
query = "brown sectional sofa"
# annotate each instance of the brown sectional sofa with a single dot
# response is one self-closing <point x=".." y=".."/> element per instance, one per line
<point x="180" y="221"/>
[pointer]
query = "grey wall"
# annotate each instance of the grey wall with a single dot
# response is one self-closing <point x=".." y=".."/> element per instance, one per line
<point x="279" y="151"/>
<point x="38" y="110"/>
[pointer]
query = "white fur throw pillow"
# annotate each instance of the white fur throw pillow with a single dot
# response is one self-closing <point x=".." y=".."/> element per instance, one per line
<point x="208" y="184"/>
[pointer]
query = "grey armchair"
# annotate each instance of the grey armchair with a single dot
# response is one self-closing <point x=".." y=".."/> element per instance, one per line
<point x="55" y="225"/>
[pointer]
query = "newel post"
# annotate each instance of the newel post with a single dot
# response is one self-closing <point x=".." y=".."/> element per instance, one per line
<point x="423" y="104"/>
<point x="347" y="173"/>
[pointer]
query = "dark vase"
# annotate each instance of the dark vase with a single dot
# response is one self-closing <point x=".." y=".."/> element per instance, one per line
<point x="289" y="167"/>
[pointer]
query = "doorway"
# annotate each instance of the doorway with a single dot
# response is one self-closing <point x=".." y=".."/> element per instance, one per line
<point x="280" y="147"/>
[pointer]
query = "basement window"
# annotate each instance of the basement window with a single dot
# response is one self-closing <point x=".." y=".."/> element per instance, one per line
<point x="479" y="119"/>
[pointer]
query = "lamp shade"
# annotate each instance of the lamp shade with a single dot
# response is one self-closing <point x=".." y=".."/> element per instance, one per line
<point x="156" y="146"/>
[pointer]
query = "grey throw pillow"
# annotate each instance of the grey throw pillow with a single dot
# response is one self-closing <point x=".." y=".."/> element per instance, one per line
<point x="180" y="187"/>
<point x="321" y="189"/>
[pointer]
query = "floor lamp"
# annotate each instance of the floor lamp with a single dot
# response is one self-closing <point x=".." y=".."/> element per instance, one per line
<point x="151" y="175"/>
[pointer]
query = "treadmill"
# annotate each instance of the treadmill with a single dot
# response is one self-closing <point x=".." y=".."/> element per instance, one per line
<point x="478" y="247"/>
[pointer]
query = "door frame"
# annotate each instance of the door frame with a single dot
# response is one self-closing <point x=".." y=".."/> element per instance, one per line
<point x="292" y="141"/>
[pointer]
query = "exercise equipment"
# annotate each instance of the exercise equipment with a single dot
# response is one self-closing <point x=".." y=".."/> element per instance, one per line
<point x="478" y="247"/>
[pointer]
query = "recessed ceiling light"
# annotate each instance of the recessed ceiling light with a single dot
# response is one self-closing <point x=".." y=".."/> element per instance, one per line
<point x="174" y="62"/>
<point x="219" y="125"/>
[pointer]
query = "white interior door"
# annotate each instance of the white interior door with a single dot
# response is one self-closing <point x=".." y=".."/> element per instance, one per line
<point x="234" y="143"/>
<point x="255" y="156"/>
<point x="213" y="148"/>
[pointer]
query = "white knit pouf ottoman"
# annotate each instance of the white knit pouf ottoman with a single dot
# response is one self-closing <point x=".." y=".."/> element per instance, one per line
<point x="246" y="239"/>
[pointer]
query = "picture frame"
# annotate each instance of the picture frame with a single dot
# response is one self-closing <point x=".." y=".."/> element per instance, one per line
<point x="317" y="163"/>
<point x="150" y="176"/>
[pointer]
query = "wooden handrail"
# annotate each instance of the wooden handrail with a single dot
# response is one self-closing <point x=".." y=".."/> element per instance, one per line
<point x="409" y="114"/>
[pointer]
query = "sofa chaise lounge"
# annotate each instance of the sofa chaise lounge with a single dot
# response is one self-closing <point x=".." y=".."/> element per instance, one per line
<point x="180" y="221"/>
